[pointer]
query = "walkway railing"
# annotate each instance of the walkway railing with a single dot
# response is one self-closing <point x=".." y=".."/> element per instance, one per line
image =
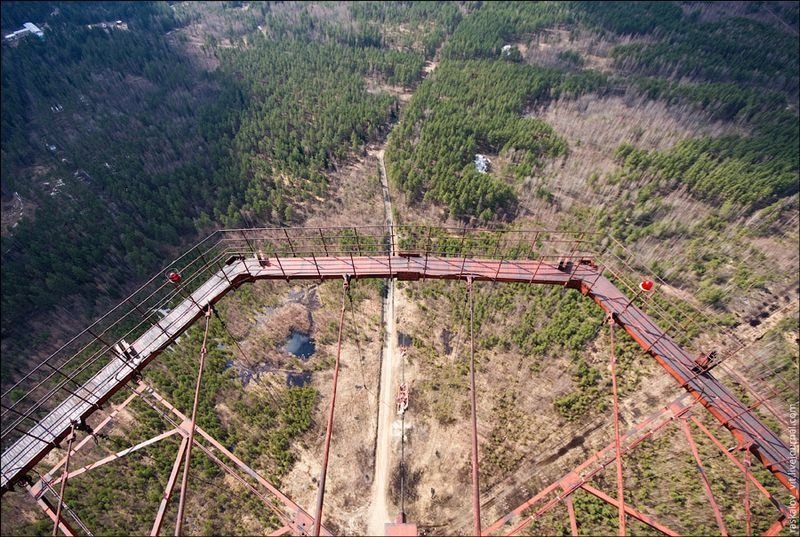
<point x="92" y="365"/>
<point x="30" y="397"/>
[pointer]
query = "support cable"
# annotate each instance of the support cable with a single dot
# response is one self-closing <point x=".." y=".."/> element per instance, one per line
<point x="476" y="493"/>
<point x="49" y="488"/>
<point x="329" y="430"/>
<point x="617" y="442"/>
<point x="747" y="515"/>
<point x="684" y="421"/>
<point x="162" y="508"/>
<point x="64" y="480"/>
<point x="188" y="455"/>
<point x="402" y="425"/>
<point x="357" y="339"/>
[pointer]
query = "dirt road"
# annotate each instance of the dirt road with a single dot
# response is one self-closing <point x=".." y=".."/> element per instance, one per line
<point x="379" y="509"/>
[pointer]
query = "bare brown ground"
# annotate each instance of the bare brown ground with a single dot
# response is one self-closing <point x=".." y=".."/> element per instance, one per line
<point x="375" y="86"/>
<point x="430" y="66"/>
<point x="594" y="127"/>
<point x="353" y="197"/>
<point x="423" y="213"/>
<point x="516" y="420"/>
<point x="714" y="11"/>
<point x="15" y="208"/>
<point x="195" y="47"/>
<point x="533" y="439"/>
<point x="18" y="509"/>
<point x="543" y="48"/>
<point x="524" y="444"/>
<point x="330" y="11"/>
<point x="352" y="447"/>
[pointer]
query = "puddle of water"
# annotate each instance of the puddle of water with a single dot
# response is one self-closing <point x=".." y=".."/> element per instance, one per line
<point x="300" y="344"/>
<point x="404" y="340"/>
<point x="299" y="379"/>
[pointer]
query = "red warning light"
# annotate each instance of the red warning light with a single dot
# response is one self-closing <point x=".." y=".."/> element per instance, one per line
<point x="174" y="277"/>
<point x="646" y="285"/>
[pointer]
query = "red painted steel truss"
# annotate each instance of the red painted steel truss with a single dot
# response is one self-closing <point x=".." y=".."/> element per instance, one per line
<point x="60" y="398"/>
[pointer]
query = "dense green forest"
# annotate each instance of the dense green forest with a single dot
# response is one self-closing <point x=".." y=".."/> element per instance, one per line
<point x="753" y="171"/>
<point x="110" y="119"/>
<point x="127" y="129"/>
<point x="125" y="144"/>
<point x="734" y="70"/>
<point x="478" y="107"/>
<point x="309" y="112"/>
<point x="152" y="152"/>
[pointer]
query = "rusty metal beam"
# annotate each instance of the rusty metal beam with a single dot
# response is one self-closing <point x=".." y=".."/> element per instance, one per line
<point x="290" y="505"/>
<point x="64" y="481"/>
<point x="617" y="442"/>
<point x="703" y="477"/>
<point x="162" y="508"/>
<point x="221" y="464"/>
<point x="784" y="519"/>
<point x="329" y="429"/>
<point x="96" y="430"/>
<point x="227" y="469"/>
<point x="476" y="488"/>
<point x="116" y="456"/>
<point x="632" y="512"/>
<point x="777" y="526"/>
<point x="573" y="520"/>
<point x="193" y="422"/>
<point x="45" y="505"/>
<point x="778" y="505"/>
<point x="719" y="401"/>
<point x="747" y="514"/>
<point x="532" y="501"/>
<point x="324" y="246"/>
<point x="596" y="463"/>
<point x="770" y="450"/>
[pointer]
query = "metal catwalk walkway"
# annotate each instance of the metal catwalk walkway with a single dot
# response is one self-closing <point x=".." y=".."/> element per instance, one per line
<point x="577" y="273"/>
